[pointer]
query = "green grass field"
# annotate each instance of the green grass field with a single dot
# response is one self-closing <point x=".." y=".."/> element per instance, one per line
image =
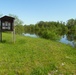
<point x="36" y="56"/>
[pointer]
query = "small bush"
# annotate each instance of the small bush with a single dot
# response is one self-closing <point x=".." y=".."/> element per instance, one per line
<point x="50" y="35"/>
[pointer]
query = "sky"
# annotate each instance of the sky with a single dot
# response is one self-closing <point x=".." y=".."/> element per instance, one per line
<point x="33" y="11"/>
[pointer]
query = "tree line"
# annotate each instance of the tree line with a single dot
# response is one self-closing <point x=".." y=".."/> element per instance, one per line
<point x="52" y="29"/>
<point x="49" y="30"/>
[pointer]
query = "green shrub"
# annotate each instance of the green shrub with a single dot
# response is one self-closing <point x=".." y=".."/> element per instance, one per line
<point x="50" y="35"/>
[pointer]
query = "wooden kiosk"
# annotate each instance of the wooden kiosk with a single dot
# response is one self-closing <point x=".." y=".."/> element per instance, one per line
<point x="7" y="24"/>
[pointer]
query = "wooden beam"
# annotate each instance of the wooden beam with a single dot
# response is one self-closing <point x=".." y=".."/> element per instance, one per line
<point x="0" y="36"/>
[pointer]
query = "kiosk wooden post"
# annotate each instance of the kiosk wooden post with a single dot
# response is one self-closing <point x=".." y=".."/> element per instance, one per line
<point x="13" y="36"/>
<point x="0" y="36"/>
<point x="0" y="33"/>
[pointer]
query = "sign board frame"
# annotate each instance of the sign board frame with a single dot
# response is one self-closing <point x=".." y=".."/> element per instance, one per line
<point x="7" y="23"/>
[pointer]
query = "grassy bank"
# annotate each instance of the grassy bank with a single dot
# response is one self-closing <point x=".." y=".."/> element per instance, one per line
<point x="36" y="56"/>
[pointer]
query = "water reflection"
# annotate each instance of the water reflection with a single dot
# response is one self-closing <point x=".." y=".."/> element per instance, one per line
<point x="67" y="38"/>
<point x="30" y="35"/>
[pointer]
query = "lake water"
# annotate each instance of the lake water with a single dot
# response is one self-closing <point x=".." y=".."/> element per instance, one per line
<point x="64" y="39"/>
<point x="30" y="35"/>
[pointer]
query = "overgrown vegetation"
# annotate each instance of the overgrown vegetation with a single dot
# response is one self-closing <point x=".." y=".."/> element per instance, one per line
<point x="36" y="56"/>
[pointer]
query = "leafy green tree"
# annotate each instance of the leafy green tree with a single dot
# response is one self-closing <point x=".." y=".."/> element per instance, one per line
<point x="70" y="22"/>
<point x="25" y="29"/>
<point x="40" y="24"/>
<point x="19" y="29"/>
<point x="17" y="20"/>
<point x="18" y="24"/>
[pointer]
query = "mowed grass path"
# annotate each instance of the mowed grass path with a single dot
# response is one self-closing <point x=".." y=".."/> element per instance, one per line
<point x="36" y="56"/>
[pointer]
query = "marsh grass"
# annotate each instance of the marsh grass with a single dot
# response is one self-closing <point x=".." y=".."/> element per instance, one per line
<point x="36" y="56"/>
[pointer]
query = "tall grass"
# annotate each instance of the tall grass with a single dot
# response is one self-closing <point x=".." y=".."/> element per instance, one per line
<point x="36" y="56"/>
